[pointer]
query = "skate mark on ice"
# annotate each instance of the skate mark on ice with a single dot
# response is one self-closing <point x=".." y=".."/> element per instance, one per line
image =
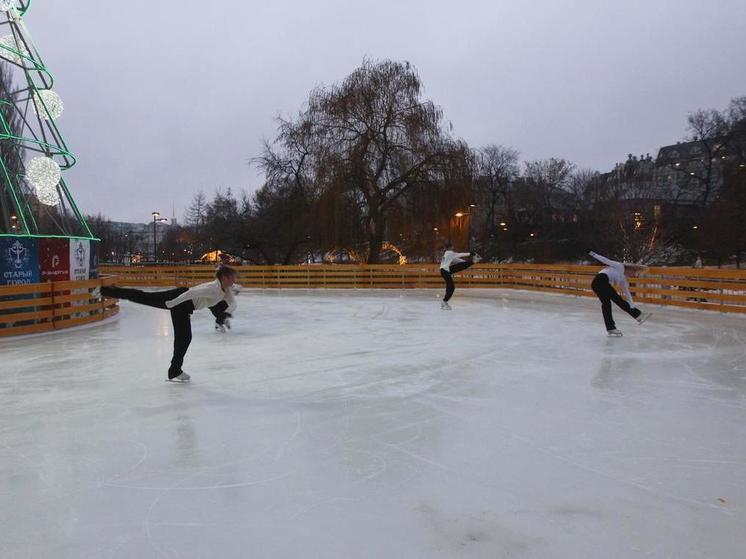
<point x="611" y="476"/>
<point x="318" y="504"/>
<point x="204" y="487"/>
<point x="163" y="491"/>
<point x="131" y="469"/>
<point x="298" y="428"/>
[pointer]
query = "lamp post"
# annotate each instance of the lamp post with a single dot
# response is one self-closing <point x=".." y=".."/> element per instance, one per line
<point x="466" y="214"/>
<point x="156" y="219"/>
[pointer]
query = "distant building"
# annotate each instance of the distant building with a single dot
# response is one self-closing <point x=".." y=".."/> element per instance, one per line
<point x="136" y="239"/>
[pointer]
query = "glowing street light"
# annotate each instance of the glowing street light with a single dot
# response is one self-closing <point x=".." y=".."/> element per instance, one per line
<point x="156" y="219"/>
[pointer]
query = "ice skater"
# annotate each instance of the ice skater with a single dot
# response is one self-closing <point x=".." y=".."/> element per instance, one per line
<point x="616" y="272"/>
<point x="451" y="263"/>
<point x="182" y="302"/>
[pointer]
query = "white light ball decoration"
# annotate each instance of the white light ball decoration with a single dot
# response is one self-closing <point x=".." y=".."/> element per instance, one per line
<point x="9" y="42"/>
<point x="51" y="100"/>
<point x="44" y="174"/>
<point x="6" y="5"/>
<point x="48" y="196"/>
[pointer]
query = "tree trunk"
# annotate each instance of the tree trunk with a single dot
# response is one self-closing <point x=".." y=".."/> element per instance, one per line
<point x="376" y="230"/>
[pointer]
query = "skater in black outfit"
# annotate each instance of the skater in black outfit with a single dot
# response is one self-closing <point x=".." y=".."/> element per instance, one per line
<point x="616" y="272"/>
<point x="182" y="302"/>
<point x="451" y="263"/>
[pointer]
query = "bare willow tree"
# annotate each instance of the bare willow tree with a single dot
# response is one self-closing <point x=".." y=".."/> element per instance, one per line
<point x="736" y="135"/>
<point x="294" y="165"/>
<point x="497" y="169"/>
<point x="371" y="138"/>
<point x="709" y="129"/>
<point x="549" y="183"/>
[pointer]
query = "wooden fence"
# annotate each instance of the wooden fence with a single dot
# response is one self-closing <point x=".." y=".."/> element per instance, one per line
<point x="711" y="289"/>
<point x="42" y="307"/>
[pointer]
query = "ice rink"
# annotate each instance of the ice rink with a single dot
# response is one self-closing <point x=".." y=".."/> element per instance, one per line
<point x="370" y="424"/>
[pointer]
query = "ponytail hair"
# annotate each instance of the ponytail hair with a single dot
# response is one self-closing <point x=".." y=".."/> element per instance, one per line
<point x="225" y="271"/>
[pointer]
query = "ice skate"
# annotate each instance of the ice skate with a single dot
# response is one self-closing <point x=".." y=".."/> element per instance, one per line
<point x="444" y="306"/>
<point x="643" y="317"/>
<point x="476" y="259"/>
<point x="614" y="333"/>
<point x="224" y="326"/>
<point x="181" y="377"/>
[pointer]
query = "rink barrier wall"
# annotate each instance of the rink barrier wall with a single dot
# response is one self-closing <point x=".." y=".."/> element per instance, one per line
<point x="43" y="307"/>
<point x="699" y="288"/>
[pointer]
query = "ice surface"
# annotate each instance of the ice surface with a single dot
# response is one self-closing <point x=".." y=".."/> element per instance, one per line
<point x="373" y="424"/>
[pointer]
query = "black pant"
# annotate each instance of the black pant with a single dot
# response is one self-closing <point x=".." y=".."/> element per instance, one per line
<point x="219" y="313"/>
<point x="180" y="317"/>
<point x="447" y="276"/>
<point x="606" y="293"/>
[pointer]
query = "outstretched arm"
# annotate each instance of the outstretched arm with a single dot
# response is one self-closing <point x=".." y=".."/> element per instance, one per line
<point x="603" y="259"/>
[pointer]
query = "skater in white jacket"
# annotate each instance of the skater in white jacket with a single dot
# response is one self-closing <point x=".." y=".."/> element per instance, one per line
<point x="182" y="302"/>
<point x="451" y="263"/>
<point x="616" y="272"/>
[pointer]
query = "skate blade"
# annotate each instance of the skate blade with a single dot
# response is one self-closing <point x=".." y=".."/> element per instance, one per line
<point x="178" y="381"/>
<point x="645" y="318"/>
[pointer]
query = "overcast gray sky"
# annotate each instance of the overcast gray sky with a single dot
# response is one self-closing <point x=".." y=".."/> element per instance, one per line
<point x="165" y="98"/>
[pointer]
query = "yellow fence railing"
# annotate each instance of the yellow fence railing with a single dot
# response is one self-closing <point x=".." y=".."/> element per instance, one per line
<point x="712" y="289"/>
<point x="42" y="307"/>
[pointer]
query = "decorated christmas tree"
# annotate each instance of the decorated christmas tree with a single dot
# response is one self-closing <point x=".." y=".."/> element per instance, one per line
<point x="34" y="198"/>
<point x="43" y="234"/>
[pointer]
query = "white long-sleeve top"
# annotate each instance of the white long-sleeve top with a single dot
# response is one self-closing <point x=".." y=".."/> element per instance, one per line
<point x="205" y="295"/>
<point x="450" y="257"/>
<point x="615" y="271"/>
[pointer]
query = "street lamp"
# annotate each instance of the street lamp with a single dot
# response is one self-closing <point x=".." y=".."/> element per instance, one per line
<point x="156" y="219"/>
<point x="459" y="215"/>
